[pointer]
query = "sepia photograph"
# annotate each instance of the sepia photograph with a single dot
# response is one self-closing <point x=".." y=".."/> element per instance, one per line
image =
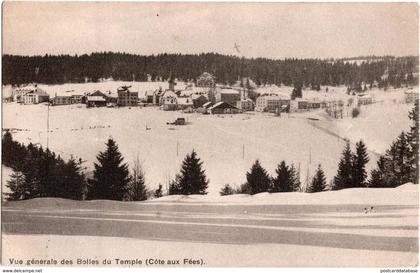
<point x="210" y="134"/>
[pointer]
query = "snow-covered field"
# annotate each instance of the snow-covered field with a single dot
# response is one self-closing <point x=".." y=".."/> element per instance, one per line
<point x="227" y="144"/>
<point x="281" y="229"/>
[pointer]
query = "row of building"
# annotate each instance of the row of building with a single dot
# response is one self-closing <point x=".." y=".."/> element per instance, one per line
<point x="34" y="95"/>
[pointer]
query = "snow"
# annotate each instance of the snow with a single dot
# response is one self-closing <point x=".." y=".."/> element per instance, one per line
<point x="395" y="215"/>
<point x="228" y="144"/>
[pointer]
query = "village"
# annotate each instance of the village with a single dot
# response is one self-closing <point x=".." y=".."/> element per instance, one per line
<point x="204" y="96"/>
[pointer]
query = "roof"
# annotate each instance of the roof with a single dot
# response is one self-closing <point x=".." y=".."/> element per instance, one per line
<point x="274" y="97"/>
<point x="206" y="75"/>
<point x="207" y="104"/>
<point x="229" y="91"/>
<point x="169" y="93"/>
<point x="220" y="103"/>
<point x="196" y="96"/>
<point x="95" y="98"/>
<point x="185" y="101"/>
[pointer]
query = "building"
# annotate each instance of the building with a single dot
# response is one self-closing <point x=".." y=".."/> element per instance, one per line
<point x="95" y="101"/>
<point x="299" y="105"/>
<point x="245" y="105"/>
<point x="127" y="97"/>
<point x="206" y="80"/>
<point x="7" y="94"/>
<point x="199" y="100"/>
<point x="156" y="100"/>
<point x="77" y="98"/>
<point x="363" y="99"/>
<point x="230" y="96"/>
<point x="62" y="100"/>
<point x="169" y="101"/>
<point x="223" y="108"/>
<point x="184" y="103"/>
<point x="314" y="104"/>
<point x="271" y="103"/>
<point x="411" y="96"/>
<point x="35" y="96"/>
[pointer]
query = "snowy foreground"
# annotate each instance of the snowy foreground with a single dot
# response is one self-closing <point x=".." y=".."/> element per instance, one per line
<point x="292" y="229"/>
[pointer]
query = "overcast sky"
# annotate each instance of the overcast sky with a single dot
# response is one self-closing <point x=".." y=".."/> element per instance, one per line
<point x="274" y="30"/>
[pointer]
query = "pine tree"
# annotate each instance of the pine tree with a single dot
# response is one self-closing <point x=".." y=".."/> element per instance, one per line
<point x="344" y="179"/>
<point x="136" y="187"/>
<point x="413" y="140"/>
<point x="192" y="178"/>
<point x="257" y="179"/>
<point x="111" y="176"/>
<point x="227" y="190"/>
<point x="319" y="181"/>
<point x="72" y="180"/>
<point x="158" y="192"/>
<point x="295" y="176"/>
<point x="360" y="160"/>
<point x="19" y="187"/>
<point x="285" y="179"/>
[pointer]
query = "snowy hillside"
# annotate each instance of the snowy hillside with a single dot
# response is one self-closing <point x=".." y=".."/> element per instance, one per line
<point x="227" y="144"/>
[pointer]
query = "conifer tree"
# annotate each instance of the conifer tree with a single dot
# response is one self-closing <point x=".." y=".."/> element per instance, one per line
<point x="344" y="179"/>
<point x="192" y="178"/>
<point x="257" y="179"/>
<point x="136" y="187"/>
<point x="158" y="192"/>
<point x="227" y="190"/>
<point x="19" y="187"/>
<point x="111" y="175"/>
<point x="284" y="180"/>
<point x="413" y="140"/>
<point x="360" y="160"/>
<point x="319" y="181"/>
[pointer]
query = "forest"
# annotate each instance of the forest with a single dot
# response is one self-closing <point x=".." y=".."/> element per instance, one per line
<point x="57" y="69"/>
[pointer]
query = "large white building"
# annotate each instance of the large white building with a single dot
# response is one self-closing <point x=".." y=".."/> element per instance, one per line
<point x="271" y="103"/>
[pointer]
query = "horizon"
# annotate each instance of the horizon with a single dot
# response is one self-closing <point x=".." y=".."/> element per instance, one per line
<point x="265" y="30"/>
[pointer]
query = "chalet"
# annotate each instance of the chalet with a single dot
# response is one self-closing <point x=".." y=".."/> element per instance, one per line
<point x="230" y="96"/>
<point x="62" y="100"/>
<point x="271" y="103"/>
<point x="156" y="100"/>
<point x="127" y="97"/>
<point x="35" y="96"/>
<point x="199" y="99"/>
<point x="206" y="80"/>
<point x="223" y="108"/>
<point x="411" y="96"/>
<point x="95" y="101"/>
<point x="168" y="101"/>
<point x="245" y="105"/>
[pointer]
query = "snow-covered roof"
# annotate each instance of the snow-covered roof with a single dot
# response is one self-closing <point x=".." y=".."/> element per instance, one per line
<point x="196" y="96"/>
<point x="220" y="103"/>
<point x="95" y="98"/>
<point x="169" y="93"/>
<point x="229" y="91"/>
<point x="207" y="104"/>
<point x="185" y="101"/>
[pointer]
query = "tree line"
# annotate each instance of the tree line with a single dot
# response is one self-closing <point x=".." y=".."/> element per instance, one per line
<point x="42" y="173"/>
<point x="58" y="69"/>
